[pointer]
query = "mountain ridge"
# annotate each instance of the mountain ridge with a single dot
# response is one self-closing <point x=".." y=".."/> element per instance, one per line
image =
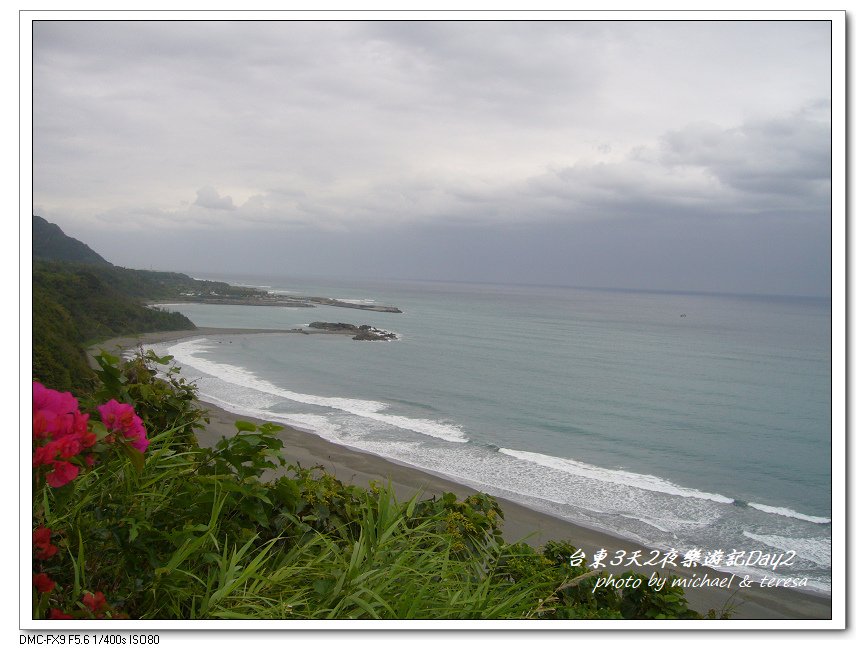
<point x="51" y="243"/>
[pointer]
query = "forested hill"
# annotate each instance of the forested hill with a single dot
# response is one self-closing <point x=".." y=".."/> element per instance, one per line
<point x="79" y="299"/>
<point x="51" y="243"/>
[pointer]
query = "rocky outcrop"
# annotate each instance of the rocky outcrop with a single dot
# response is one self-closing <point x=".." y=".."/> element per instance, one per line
<point x="357" y="332"/>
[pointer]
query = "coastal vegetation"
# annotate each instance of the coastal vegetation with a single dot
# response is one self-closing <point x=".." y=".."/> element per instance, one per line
<point x="76" y="304"/>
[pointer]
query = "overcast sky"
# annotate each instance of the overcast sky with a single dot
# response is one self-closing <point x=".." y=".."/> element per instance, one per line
<point x="652" y="155"/>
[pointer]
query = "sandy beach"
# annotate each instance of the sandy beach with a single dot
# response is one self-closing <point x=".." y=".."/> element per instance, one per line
<point x="521" y="523"/>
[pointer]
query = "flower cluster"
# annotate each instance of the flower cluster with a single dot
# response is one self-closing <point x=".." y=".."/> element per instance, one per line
<point x="42" y="543"/>
<point x="61" y="432"/>
<point x="121" y="418"/>
<point x="95" y="606"/>
<point x="43" y="583"/>
<point x="43" y="549"/>
<point x="64" y="441"/>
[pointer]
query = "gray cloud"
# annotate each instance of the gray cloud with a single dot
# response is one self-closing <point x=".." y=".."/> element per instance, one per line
<point x="208" y="197"/>
<point x="785" y="157"/>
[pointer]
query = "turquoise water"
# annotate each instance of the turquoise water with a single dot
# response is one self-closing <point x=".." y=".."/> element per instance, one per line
<point x="677" y="420"/>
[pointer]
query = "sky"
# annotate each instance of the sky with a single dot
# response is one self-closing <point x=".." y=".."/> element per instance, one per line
<point x="691" y="156"/>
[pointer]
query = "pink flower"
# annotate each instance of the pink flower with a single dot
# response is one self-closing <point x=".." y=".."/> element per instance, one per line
<point x="41" y="536"/>
<point x="44" y="552"/>
<point x="43" y="583"/>
<point x="42" y="542"/>
<point x="56" y="414"/>
<point x="40" y="424"/>
<point x="58" y="614"/>
<point x="68" y="446"/>
<point x="65" y="447"/>
<point x="68" y="424"/>
<point x="62" y="473"/>
<point x="45" y="399"/>
<point x="45" y="454"/>
<point x="88" y="439"/>
<point x="122" y="418"/>
<point x="62" y="428"/>
<point x="95" y="602"/>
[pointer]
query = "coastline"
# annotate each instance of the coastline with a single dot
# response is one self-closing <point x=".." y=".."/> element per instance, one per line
<point x="520" y="523"/>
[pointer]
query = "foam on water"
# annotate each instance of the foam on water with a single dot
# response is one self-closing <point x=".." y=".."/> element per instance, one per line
<point x="319" y="425"/>
<point x="358" y="301"/>
<point x="786" y="512"/>
<point x="648" y="522"/>
<point x="815" y="549"/>
<point x="621" y="477"/>
<point x="186" y="352"/>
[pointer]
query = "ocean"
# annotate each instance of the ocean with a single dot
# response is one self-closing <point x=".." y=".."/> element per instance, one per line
<point x="694" y="422"/>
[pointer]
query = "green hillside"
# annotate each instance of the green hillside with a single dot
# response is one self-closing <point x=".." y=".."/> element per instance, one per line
<point x="79" y="299"/>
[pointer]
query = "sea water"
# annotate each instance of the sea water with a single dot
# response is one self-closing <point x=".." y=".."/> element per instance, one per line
<point x="681" y="421"/>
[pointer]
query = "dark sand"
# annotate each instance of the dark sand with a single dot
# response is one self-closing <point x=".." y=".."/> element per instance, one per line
<point x="521" y="523"/>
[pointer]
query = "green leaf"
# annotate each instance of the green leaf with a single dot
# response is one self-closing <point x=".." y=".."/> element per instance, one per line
<point x="287" y="491"/>
<point x="322" y="587"/>
<point x="109" y="358"/>
<point x="163" y="361"/>
<point x="136" y="457"/>
<point x="244" y="426"/>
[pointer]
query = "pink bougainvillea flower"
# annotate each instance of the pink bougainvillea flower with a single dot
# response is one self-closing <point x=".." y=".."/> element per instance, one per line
<point x="62" y="473"/>
<point x="49" y="424"/>
<point x="88" y="439"/>
<point x="59" y="614"/>
<point x="43" y="583"/>
<point x="122" y="418"/>
<point x="95" y="602"/>
<point x="44" y="552"/>
<point x="39" y="457"/>
<point x="52" y="400"/>
<point x="67" y="424"/>
<point x="42" y="543"/>
<point x="116" y="416"/>
<point x="62" y="428"/>
<point x="64" y="447"/>
<point x="40" y="424"/>
<point x="77" y="423"/>
<point x="45" y="454"/>
<point x="69" y="446"/>
<point x="41" y="536"/>
<point x="56" y="414"/>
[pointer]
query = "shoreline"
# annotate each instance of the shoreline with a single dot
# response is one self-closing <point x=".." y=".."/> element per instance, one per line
<point x="520" y="522"/>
